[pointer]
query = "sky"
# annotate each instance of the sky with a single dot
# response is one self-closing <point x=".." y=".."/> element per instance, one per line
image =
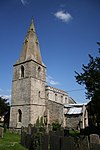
<point x="67" y="31"/>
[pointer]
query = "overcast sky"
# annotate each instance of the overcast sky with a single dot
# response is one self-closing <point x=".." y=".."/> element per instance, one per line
<point x="67" y="31"/>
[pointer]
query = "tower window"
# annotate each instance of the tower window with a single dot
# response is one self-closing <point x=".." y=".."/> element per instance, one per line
<point x="39" y="94"/>
<point x="19" y="115"/>
<point x="39" y="69"/>
<point x="22" y="71"/>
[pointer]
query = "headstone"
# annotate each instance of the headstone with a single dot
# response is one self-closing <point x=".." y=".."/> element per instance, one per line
<point x="33" y="130"/>
<point x="23" y="138"/>
<point x="28" y="141"/>
<point x="45" y="142"/>
<point x="29" y="128"/>
<point x="36" y="138"/>
<point x="94" y="138"/>
<point x="1" y="132"/>
<point x="94" y="146"/>
<point x="55" y="143"/>
<point x="67" y="143"/>
<point x="84" y="143"/>
<point x="60" y="132"/>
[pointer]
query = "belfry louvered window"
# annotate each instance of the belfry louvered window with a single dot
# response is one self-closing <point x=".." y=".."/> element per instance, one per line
<point x="22" y="71"/>
<point x="19" y="115"/>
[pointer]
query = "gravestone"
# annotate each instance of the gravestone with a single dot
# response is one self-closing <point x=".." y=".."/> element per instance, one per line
<point x="33" y="130"/>
<point x="1" y="132"/>
<point x="23" y="138"/>
<point x="94" y="138"/>
<point x="45" y="142"/>
<point x="28" y="141"/>
<point x="29" y="128"/>
<point x="94" y="146"/>
<point x="84" y="143"/>
<point x="54" y="143"/>
<point x="67" y="143"/>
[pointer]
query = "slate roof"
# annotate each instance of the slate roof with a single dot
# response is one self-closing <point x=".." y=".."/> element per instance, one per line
<point x="74" y="110"/>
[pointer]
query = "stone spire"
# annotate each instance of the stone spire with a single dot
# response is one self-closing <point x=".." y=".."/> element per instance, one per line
<point x="31" y="49"/>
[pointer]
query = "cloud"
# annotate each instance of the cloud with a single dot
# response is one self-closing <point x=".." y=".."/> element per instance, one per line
<point x="51" y="81"/>
<point x="6" y="96"/>
<point x="24" y="2"/>
<point x="63" y="16"/>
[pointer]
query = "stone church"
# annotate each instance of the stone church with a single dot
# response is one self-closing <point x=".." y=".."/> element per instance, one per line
<point x="32" y="98"/>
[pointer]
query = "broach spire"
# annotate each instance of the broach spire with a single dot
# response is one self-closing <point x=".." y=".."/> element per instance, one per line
<point x="31" y="48"/>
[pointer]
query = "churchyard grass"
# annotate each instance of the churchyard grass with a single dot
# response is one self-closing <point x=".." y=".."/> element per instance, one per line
<point x="11" y="141"/>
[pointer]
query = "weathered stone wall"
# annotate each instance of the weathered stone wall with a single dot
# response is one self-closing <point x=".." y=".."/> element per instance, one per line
<point x="37" y="92"/>
<point x="14" y="118"/>
<point x="21" y="91"/>
<point x="37" y="111"/>
<point x="72" y="121"/>
<point x="28" y="93"/>
<point x="55" y="111"/>
<point x="55" y="100"/>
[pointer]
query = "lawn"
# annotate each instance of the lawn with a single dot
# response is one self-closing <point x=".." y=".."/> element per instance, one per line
<point x="11" y="141"/>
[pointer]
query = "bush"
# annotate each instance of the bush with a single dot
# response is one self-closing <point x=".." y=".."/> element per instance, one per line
<point x="56" y="126"/>
<point x="73" y="132"/>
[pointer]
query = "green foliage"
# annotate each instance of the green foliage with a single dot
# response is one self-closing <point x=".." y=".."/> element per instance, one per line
<point x="11" y="141"/>
<point x="91" y="79"/>
<point x="4" y="106"/>
<point x="39" y="122"/>
<point x="73" y="132"/>
<point x="36" y="140"/>
<point x="56" y="125"/>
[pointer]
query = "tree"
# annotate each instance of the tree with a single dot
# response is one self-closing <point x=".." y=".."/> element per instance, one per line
<point x="4" y="106"/>
<point x="90" y="77"/>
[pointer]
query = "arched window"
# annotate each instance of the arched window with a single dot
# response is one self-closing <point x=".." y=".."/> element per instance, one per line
<point x="22" y="71"/>
<point x="55" y="97"/>
<point x="39" y="69"/>
<point x="39" y="93"/>
<point x="66" y="100"/>
<point x="19" y="115"/>
<point x="61" y="99"/>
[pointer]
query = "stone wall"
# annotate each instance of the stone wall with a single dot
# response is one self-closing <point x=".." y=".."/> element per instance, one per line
<point x="55" y="100"/>
<point x="55" y="111"/>
<point x="28" y="93"/>
<point x="72" y="121"/>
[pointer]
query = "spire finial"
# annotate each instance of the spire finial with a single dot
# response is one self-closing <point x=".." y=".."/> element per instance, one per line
<point x="32" y="28"/>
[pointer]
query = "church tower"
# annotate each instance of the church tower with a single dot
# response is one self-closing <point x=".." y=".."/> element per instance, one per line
<point x="28" y="84"/>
